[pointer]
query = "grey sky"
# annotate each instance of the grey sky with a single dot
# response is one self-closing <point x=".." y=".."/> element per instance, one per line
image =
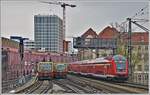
<point x="17" y="17"/>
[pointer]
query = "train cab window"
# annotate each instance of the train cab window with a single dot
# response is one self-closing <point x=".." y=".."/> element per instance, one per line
<point x="120" y="62"/>
<point x="109" y="66"/>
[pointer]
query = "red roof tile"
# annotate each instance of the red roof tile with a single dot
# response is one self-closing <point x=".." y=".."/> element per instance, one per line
<point x="108" y="33"/>
<point x="90" y="32"/>
<point x="137" y="36"/>
<point x="140" y="36"/>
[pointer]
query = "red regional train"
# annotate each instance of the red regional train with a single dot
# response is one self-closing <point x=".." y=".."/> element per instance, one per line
<point x="111" y="68"/>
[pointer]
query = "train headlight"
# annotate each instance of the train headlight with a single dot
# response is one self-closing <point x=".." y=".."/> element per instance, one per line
<point x="12" y="91"/>
<point x="120" y="61"/>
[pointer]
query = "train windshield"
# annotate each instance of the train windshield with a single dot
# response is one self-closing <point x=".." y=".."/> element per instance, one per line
<point x="61" y="67"/>
<point x="45" y="67"/>
<point x="120" y="63"/>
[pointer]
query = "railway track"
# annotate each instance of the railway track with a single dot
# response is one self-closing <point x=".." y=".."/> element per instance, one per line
<point x="42" y="88"/>
<point x="86" y="87"/>
<point x="75" y="86"/>
<point x="133" y="85"/>
<point x="107" y="86"/>
<point x="81" y="85"/>
<point x="69" y="88"/>
<point x="26" y="89"/>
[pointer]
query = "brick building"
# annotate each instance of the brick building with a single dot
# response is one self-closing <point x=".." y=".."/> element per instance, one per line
<point x="140" y="55"/>
<point x="86" y="53"/>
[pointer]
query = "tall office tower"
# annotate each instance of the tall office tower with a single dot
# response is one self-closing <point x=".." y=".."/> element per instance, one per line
<point x="48" y="33"/>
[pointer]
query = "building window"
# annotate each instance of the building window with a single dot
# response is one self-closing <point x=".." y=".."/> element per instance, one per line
<point x="139" y="67"/>
<point x="146" y="47"/>
<point x="146" y="77"/>
<point x="139" y="48"/>
<point x="139" y="76"/>
<point x="146" y="56"/>
<point x="146" y="67"/>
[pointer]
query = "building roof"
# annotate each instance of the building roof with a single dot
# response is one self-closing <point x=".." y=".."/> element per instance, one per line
<point x="137" y="36"/>
<point x="89" y="33"/>
<point x="111" y="32"/>
<point x="108" y="33"/>
<point x="140" y="37"/>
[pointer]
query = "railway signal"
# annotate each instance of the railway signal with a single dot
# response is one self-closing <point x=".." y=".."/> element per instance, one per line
<point x="21" y="45"/>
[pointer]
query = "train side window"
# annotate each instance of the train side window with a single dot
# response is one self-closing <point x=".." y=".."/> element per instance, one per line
<point x="110" y="66"/>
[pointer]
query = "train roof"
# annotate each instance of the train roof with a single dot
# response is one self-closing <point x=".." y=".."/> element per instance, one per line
<point x="119" y="57"/>
<point x="60" y="63"/>
<point x="92" y="61"/>
<point x="99" y="60"/>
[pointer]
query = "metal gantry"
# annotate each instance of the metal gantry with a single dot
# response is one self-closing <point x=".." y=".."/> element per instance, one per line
<point x="21" y="45"/>
<point x="95" y="43"/>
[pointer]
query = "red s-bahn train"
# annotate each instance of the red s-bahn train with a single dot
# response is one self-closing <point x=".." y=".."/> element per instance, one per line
<point x="60" y="70"/>
<point x="45" y="71"/>
<point x="111" y="68"/>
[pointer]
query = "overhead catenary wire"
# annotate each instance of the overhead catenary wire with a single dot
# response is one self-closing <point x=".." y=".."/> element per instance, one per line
<point x="141" y="11"/>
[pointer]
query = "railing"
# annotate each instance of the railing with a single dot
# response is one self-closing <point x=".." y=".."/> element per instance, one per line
<point x="140" y="78"/>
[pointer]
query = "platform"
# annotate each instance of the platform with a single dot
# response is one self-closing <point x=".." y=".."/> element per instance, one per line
<point x="30" y="82"/>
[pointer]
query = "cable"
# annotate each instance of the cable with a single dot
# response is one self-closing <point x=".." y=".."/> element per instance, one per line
<point x="141" y="10"/>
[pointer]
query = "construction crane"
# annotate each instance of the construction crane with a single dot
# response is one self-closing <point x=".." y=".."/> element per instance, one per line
<point x="63" y="5"/>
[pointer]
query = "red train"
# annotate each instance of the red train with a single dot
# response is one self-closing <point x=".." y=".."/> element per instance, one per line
<point x="113" y="68"/>
<point x="49" y="70"/>
<point x="60" y="70"/>
<point x="12" y="67"/>
<point x="45" y="71"/>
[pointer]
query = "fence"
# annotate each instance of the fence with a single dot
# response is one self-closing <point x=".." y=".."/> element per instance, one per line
<point x="140" y="78"/>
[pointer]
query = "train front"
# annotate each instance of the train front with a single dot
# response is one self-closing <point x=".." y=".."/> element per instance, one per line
<point x="45" y="70"/>
<point x="61" y="70"/>
<point x="121" y="67"/>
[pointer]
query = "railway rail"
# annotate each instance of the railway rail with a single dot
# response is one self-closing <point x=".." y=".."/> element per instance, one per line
<point x="109" y="87"/>
<point x="133" y="85"/>
<point x="81" y="85"/>
<point x="42" y="88"/>
<point x="25" y="89"/>
<point x="69" y="87"/>
<point x="86" y="87"/>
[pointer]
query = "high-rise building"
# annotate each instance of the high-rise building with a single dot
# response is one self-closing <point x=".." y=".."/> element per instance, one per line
<point x="48" y="33"/>
<point x="29" y="45"/>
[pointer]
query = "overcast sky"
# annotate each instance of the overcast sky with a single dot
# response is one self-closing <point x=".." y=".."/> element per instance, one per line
<point x="17" y="16"/>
